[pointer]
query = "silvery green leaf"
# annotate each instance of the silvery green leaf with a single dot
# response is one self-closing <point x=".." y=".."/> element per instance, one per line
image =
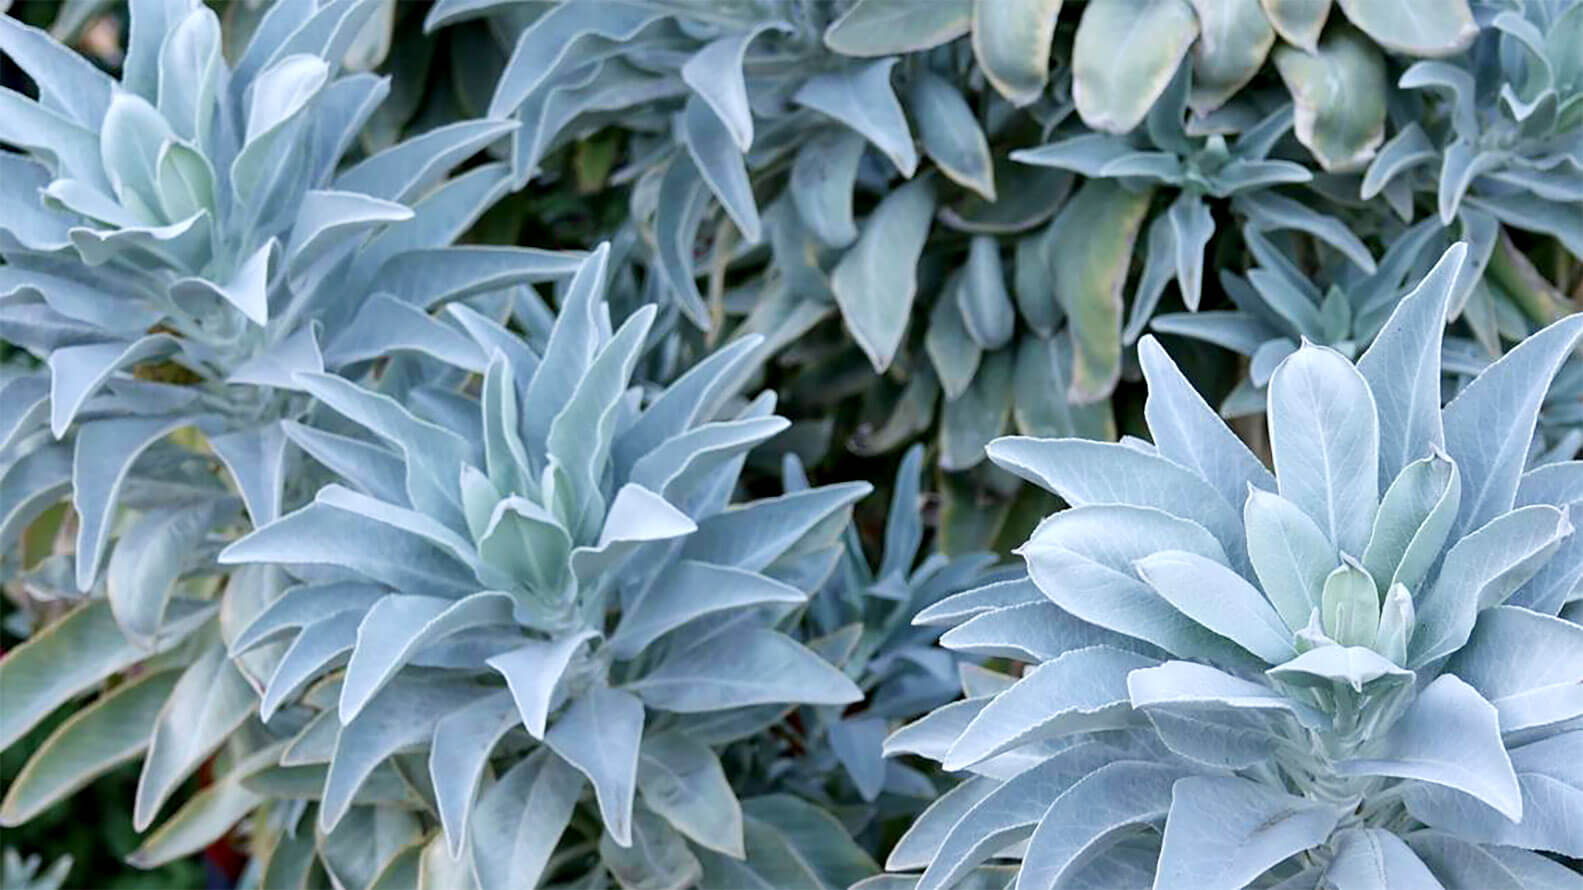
<point x="1338" y="90"/>
<point x="720" y="162"/>
<point x="683" y="201"/>
<point x="950" y="133"/>
<point x="953" y="353"/>
<point x="1325" y="438"/>
<point x="71" y="149"/>
<point x="986" y="307"/>
<point x="752" y="535"/>
<point x="1187" y="689"/>
<point x="463" y="740"/>
<point x="432" y="453"/>
<point x="1298" y="21"/>
<point x="1414" y="519"/>
<point x="1233" y="38"/>
<point x="205" y="817"/>
<point x="1087" y="153"/>
<point x="1350" y="605"/>
<point x="1011" y="43"/>
<point x="599" y="735"/>
<point x="876" y="280"/>
<point x="694" y="397"/>
<point x="882" y="27"/>
<point x="1091" y="816"/>
<point x="302" y="606"/>
<point x="579" y="438"/>
<point x="636" y="516"/>
<point x="385" y="326"/>
<point x="247" y="289"/>
<point x="1191" y="228"/>
<point x="1125" y="55"/>
<point x="74" y="653"/>
<point x="1271" y="211"/>
<point x="401" y="716"/>
<point x="256" y="458"/>
<point x="1482" y="570"/>
<point x="112" y="730"/>
<point x="1458" y="863"/>
<point x="682" y="781"/>
<point x="208" y="703"/>
<point x="1448" y="736"/>
<point x="678" y="467"/>
<point x="397" y="626"/>
<point x="327" y="219"/>
<point x="1219" y="599"/>
<point x="1376" y="859"/>
<point x="1415" y="27"/>
<point x="1552" y="789"/>
<point x="822" y="178"/>
<point x="972" y="421"/>
<point x="1225" y="832"/>
<point x="323" y="644"/>
<point x="739" y="667"/>
<point x="715" y="74"/>
<point x="959" y="607"/>
<point x="921" y="842"/>
<point x="1460" y="164"/>
<point x="372" y="469"/>
<point x="1080" y="691"/>
<point x="323" y="534"/>
<point x="1089" y="277"/>
<point x="1328" y="665"/>
<point x="1489" y="425"/>
<point x="1031" y="632"/>
<point x="657" y="857"/>
<point x="1104" y="473"/>
<point x="687" y="590"/>
<point x="1525" y="664"/>
<point x="68" y="83"/>
<point x="532" y="672"/>
<point x="1009" y="813"/>
<point x="519" y="820"/>
<point x="1534" y="869"/>
<point x="1290" y="555"/>
<point x="542" y="46"/>
<point x="409" y="168"/>
<point x="573" y="343"/>
<point x="189" y="65"/>
<point x="1042" y="368"/>
<point x="1099" y="586"/>
<point x="858" y="743"/>
<point x="1187" y="430"/>
<point x="27" y="220"/>
<point x="1405" y="350"/>
<point x="148" y="558"/>
<point x="861" y="97"/>
<point x="78" y="372"/>
<point x="104" y="453"/>
<point x="184" y="182"/>
<point x="1458" y="87"/>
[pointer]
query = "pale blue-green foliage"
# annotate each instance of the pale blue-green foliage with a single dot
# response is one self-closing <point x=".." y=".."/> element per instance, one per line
<point x="1348" y="672"/>
<point x="861" y="620"/>
<point x="1507" y="139"/>
<point x="556" y="580"/>
<point x="19" y="873"/>
<point x="177" y="246"/>
<point x="192" y="224"/>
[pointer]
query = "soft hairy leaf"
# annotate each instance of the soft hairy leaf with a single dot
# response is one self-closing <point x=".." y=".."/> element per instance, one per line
<point x="599" y="735"/>
<point x="1224" y="831"/>
<point x="1124" y="57"/>
<point x="1338" y="90"/>
<point x="876" y="280"/>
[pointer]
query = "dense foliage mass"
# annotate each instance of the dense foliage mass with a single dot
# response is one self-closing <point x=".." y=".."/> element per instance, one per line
<point x="439" y="442"/>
